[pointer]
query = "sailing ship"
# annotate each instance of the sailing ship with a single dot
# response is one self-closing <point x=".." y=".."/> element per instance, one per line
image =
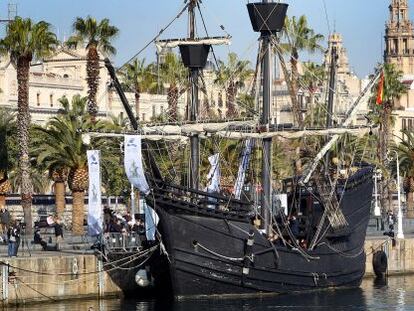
<point x="212" y="244"/>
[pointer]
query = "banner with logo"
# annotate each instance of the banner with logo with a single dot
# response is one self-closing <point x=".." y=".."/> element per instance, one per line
<point x="243" y="168"/>
<point x="214" y="174"/>
<point x="133" y="163"/>
<point x="95" y="216"/>
<point x="151" y="222"/>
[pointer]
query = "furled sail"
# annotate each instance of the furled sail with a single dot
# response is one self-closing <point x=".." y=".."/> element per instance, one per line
<point x="173" y="43"/>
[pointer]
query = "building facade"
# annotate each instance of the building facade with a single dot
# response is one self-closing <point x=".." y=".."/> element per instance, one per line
<point x="399" y="50"/>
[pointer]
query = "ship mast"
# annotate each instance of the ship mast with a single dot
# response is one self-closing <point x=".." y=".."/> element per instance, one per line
<point x="265" y="123"/>
<point x="267" y="18"/>
<point x="193" y="109"/>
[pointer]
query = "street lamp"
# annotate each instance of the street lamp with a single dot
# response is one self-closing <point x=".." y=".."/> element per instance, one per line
<point x="400" y="234"/>
<point x="377" y="210"/>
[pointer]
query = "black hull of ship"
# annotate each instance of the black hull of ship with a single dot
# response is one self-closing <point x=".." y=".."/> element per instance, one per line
<point x="205" y="252"/>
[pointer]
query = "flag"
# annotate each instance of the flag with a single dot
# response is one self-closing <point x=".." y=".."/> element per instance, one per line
<point x="380" y="95"/>
<point x="95" y="217"/>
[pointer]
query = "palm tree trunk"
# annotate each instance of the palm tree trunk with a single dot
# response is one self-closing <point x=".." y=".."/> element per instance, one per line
<point x="78" y="212"/>
<point x="23" y="124"/>
<point x="137" y="98"/>
<point x="410" y="204"/>
<point x="60" y="197"/>
<point x="230" y="99"/>
<point x="383" y="149"/>
<point x="292" y="88"/>
<point x="92" y="73"/>
<point x="172" y="99"/>
<point x="2" y="200"/>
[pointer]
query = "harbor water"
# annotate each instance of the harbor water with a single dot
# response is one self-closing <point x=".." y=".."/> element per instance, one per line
<point x="395" y="294"/>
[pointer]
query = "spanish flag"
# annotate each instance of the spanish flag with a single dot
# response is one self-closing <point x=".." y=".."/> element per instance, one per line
<point x="380" y="94"/>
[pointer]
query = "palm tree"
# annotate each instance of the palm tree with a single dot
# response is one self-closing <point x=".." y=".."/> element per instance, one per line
<point x="139" y="78"/>
<point x="175" y="75"/>
<point x="405" y="151"/>
<point x="231" y="77"/>
<point x="298" y="37"/>
<point x="393" y="89"/>
<point x="7" y="129"/>
<point x="60" y="147"/>
<point x="311" y="79"/>
<point x="95" y="36"/>
<point x="25" y="41"/>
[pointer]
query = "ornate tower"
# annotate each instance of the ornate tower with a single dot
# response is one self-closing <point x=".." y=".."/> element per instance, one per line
<point x="399" y="37"/>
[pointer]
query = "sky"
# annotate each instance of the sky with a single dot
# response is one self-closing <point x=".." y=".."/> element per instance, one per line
<point x="361" y="22"/>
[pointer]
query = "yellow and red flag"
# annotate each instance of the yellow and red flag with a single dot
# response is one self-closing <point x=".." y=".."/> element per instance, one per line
<point x="380" y="95"/>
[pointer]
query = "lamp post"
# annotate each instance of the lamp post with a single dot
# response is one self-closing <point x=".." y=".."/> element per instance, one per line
<point x="400" y="234"/>
<point x="377" y="210"/>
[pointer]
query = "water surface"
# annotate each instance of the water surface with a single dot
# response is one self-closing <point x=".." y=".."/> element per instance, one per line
<point x="396" y="294"/>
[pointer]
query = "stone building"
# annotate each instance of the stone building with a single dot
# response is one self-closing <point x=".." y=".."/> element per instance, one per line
<point x="64" y="74"/>
<point x="399" y="50"/>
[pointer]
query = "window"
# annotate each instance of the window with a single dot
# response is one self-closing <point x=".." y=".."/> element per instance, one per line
<point x="66" y="76"/>
<point x="404" y="124"/>
<point x="143" y="117"/>
<point x="410" y="124"/>
<point x="153" y="110"/>
<point x="162" y="110"/>
<point x="51" y="100"/>
<point x="38" y="99"/>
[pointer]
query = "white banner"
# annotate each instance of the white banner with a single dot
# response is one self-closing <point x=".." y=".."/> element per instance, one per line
<point x="95" y="217"/>
<point x="133" y="163"/>
<point x="151" y="222"/>
<point x="244" y="163"/>
<point x="214" y="174"/>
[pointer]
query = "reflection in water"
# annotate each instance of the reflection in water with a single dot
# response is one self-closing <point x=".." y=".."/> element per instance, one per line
<point x="395" y="293"/>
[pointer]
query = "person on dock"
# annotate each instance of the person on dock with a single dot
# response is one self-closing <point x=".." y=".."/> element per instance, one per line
<point x="13" y="237"/>
<point x="37" y="239"/>
<point x="4" y="220"/>
<point x="58" y="232"/>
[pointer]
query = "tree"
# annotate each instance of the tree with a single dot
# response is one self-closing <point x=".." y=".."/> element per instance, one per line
<point x="231" y="77"/>
<point x="60" y="147"/>
<point x="405" y="151"/>
<point x="25" y="41"/>
<point x="175" y="75"/>
<point x="95" y="36"/>
<point x="7" y="129"/>
<point x="298" y="37"/>
<point x="311" y="80"/>
<point x="393" y="89"/>
<point x="139" y="78"/>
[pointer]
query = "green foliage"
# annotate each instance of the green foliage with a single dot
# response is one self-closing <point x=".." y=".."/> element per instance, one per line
<point x="139" y="78"/>
<point x="405" y="151"/>
<point x="173" y="72"/>
<point x="28" y="40"/>
<point x="8" y="142"/>
<point x="91" y="33"/>
<point x="299" y="37"/>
